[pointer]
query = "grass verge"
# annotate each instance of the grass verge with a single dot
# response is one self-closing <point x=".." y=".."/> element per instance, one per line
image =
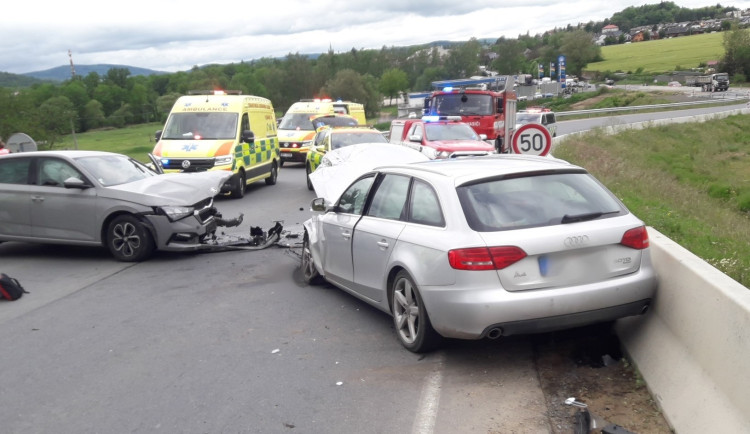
<point x="690" y="182"/>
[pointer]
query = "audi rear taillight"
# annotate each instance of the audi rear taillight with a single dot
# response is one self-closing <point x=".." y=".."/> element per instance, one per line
<point x="485" y="258"/>
<point x="636" y="238"/>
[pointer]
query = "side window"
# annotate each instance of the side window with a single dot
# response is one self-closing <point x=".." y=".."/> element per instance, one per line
<point x="320" y="138"/>
<point x="424" y="205"/>
<point x="397" y="131"/>
<point x="54" y="172"/>
<point x="245" y="123"/>
<point x="416" y="131"/>
<point x="14" y="170"/>
<point x="389" y="200"/>
<point x="353" y="199"/>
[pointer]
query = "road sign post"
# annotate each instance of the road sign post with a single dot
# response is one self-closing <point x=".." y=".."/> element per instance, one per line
<point x="532" y="139"/>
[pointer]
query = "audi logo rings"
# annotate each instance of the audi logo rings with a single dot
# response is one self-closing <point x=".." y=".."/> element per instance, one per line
<point x="576" y="241"/>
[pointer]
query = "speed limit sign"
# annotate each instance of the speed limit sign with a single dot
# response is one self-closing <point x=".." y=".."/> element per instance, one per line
<point x="532" y="139"/>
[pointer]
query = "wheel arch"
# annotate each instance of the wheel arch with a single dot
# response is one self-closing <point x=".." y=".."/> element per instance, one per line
<point x="105" y="225"/>
<point x="389" y="282"/>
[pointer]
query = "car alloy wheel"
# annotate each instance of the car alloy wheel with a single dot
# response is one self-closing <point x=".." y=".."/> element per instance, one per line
<point x="410" y="316"/>
<point x="129" y="240"/>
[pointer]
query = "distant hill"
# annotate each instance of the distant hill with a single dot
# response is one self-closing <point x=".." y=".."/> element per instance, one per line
<point x="11" y="81"/>
<point x="62" y="73"/>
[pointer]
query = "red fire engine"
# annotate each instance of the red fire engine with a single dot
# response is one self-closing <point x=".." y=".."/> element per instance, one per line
<point x="487" y="104"/>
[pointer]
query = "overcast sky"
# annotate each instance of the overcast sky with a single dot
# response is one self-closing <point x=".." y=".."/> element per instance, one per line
<point x="175" y="35"/>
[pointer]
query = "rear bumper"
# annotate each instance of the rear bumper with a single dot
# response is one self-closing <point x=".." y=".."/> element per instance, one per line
<point x="472" y="312"/>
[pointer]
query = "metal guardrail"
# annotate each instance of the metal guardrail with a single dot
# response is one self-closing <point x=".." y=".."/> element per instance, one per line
<point x="724" y="100"/>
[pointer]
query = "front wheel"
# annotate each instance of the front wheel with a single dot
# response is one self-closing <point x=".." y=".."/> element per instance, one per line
<point x="307" y="176"/>
<point x="271" y="180"/>
<point x="410" y="318"/>
<point x="129" y="240"/>
<point x="309" y="272"/>
<point x="238" y="188"/>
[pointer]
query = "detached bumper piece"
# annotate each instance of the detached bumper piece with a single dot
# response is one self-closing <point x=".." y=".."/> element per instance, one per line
<point x="257" y="239"/>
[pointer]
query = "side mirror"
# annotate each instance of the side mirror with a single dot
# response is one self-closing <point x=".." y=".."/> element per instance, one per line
<point x="483" y="137"/>
<point x="74" y="182"/>
<point x="248" y="136"/>
<point x="318" y="204"/>
<point x="157" y="135"/>
<point x="415" y="138"/>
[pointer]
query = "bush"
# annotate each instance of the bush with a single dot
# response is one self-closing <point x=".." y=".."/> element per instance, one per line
<point x="743" y="202"/>
<point x="719" y="191"/>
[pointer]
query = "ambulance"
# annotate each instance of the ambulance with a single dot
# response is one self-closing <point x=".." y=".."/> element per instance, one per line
<point x="296" y="130"/>
<point x="217" y="130"/>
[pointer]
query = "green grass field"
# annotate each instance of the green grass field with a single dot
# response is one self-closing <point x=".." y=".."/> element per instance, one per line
<point x="690" y="182"/>
<point x="663" y="55"/>
<point x="135" y="141"/>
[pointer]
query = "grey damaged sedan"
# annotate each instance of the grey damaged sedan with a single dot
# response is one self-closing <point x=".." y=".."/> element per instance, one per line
<point x="481" y="248"/>
<point x="101" y="198"/>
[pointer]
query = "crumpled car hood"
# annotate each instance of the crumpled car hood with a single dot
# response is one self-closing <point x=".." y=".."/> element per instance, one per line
<point x="171" y="188"/>
<point x="343" y="166"/>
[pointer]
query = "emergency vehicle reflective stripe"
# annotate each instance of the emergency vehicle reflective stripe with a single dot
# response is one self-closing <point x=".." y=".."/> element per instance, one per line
<point x="261" y="151"/>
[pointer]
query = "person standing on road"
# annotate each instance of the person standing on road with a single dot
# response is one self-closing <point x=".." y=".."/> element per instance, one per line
<point x="3" y="149"/>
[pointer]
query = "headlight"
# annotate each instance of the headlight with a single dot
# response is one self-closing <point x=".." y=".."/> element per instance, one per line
<point x="175" y="213"/>
<point x="443" y="154"/>
<point x="223" y="160"/>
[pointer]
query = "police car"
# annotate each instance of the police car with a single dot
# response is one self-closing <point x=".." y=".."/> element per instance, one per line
<point x="538" y="115"/>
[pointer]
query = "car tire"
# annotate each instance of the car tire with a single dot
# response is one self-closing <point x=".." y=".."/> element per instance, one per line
<point x="281" y="163"/>
<point x="129" y="240"/>
<point x="309" y="272"/>
<point x="238" y="188"/>
<point x="307" y="176"/>
<point x="271" y="180"/>
<point x="410" y="319"/>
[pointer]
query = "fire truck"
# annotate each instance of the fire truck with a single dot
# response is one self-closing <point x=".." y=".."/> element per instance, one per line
<point x="487" y="104"/>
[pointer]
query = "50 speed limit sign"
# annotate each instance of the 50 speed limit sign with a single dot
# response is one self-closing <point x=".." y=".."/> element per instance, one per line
<point x="532" y="139"/>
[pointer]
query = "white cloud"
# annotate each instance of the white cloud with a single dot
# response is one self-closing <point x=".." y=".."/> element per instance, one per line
<point x="174" y="35"/>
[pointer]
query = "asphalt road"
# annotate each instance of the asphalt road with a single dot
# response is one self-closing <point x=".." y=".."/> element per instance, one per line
<point x="234" y="342"/>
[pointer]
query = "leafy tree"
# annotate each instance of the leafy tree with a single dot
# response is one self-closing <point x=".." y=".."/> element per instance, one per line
<point x="736" y="51"/>
<point x="579" y="50"/>
<point x="117" y="77"/>
<point x="349" y="85"/>
<point x="463" y="60"/>
<point x="56" y="116"/>
<point x="511" y="58"/>
<point x="393" y="82"/>
<point x="93" y="115"/>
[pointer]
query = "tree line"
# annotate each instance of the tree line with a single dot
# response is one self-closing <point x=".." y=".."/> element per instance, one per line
<point x="47" y="111"/>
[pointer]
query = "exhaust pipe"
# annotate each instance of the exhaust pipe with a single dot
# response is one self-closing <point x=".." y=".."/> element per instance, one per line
<point x="495" y="333"/>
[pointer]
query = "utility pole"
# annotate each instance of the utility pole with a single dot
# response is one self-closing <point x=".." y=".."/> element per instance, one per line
<point x="72" y="68"/>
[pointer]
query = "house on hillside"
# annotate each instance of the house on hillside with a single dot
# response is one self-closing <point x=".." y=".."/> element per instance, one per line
<point x="610" y="30"/>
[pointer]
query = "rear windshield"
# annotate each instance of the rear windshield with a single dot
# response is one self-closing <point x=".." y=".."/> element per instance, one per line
<point x="341" y="140"/>
<point x="534" y="201"/>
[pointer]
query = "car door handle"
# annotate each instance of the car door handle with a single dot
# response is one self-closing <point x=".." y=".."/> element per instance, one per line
<point x="346" y="234"/>
<point x="37" y="198"/>
<point x="383" y="244"/>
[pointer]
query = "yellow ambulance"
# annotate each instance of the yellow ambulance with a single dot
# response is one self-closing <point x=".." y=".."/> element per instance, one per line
<point x="216" y="130"/>
<point x="296" y="130"/>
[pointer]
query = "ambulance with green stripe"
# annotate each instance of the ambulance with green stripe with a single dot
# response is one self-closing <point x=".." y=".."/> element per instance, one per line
<point x="216" y="130"/>
<point x="296" y="130"/>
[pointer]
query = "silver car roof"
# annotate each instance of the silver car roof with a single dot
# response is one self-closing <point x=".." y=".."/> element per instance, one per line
<point x="468" y="169"/>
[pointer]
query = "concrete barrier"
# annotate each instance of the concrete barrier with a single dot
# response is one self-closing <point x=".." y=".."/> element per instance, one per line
<point x="693" y="347"/>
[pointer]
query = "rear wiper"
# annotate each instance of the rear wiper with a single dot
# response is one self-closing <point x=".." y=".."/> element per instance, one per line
<point x="584" y="217"/>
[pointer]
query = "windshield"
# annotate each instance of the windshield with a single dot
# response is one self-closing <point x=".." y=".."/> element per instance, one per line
<point x="196" y="126"/>
<point x="346" y="139"/>
<point x="528" y="118"/>
<point x="535" y="201"/>
<point x="296" y="121"/>
<point x="457" y="104"/>
<point x="334" y="121"/>
<point x="112" y="170"/>
<point x="449" y="132"/>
